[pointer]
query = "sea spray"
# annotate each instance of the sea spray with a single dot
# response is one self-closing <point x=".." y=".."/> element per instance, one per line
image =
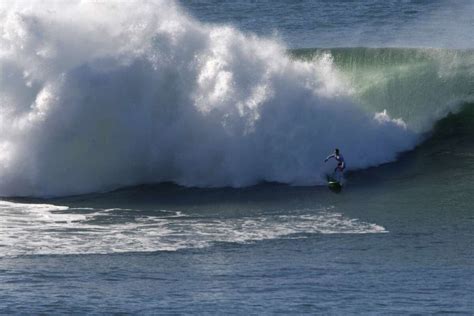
<point x="98" y="95"/>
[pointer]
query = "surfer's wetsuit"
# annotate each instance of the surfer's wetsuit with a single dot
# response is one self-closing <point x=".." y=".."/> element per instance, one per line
<point x="341" y="165"/>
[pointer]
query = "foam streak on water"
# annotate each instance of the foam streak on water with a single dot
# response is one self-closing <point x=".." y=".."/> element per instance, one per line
<point x="32" y="229"/>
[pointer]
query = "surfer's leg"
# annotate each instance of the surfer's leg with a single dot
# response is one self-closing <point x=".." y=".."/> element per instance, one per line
<point x="339" y="172"/>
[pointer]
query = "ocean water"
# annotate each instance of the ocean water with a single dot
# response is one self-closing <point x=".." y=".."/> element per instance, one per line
<point x="161" y="157"/>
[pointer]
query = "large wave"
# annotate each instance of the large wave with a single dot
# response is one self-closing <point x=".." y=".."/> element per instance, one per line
<point x="98" y="95"/>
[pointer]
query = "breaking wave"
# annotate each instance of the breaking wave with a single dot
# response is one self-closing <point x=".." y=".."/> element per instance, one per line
<point x="99" y="95"/>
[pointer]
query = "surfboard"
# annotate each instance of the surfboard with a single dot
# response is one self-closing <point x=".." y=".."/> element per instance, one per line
<point x="334" y="185"/>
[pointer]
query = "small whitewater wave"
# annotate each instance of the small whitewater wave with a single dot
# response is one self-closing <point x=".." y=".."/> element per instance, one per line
<point x="40" y="229"/>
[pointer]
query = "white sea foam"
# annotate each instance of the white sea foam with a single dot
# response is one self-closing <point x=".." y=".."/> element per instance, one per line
<point x="96" y="95"/>
<point x="32" y="229"/>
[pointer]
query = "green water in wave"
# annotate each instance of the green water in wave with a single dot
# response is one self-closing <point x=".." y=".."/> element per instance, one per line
<point x="420" y="86"/>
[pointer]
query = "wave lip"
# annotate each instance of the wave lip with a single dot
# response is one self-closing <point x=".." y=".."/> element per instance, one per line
<point x="100" y="95"/>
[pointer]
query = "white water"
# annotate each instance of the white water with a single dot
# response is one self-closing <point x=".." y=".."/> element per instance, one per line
<point x="32" y="229"/>
<point x="97" y="95"/>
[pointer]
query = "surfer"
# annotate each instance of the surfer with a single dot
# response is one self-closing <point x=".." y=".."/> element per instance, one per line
<point x="341" y="165"/>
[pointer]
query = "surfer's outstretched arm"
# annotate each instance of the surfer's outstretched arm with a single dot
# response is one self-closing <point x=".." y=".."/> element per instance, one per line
<point x="329" y="157"/>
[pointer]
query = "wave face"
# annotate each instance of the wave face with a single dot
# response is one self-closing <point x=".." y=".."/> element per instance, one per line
<point x="419" y="85"/>
<point x="99" y="95"/>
